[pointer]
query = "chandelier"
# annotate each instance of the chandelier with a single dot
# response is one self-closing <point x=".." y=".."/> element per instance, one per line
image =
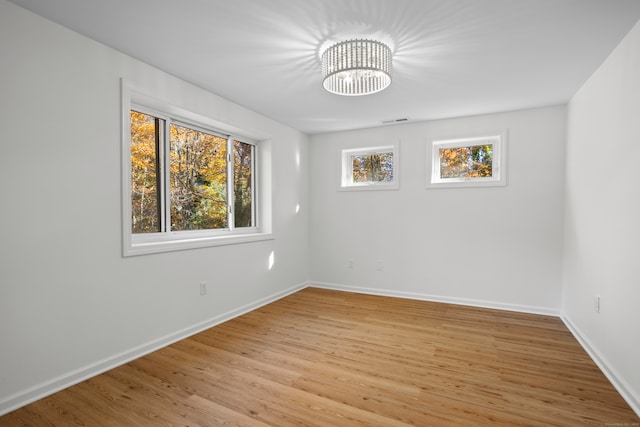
<point x="356" y="67"/>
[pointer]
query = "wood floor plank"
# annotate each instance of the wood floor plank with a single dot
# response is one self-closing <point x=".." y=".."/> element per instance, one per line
<point x="329" y="358"/>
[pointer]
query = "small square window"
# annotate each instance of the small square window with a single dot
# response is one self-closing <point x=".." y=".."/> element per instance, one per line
<point x="468" y="162"/>
<point x="372" y="168"/>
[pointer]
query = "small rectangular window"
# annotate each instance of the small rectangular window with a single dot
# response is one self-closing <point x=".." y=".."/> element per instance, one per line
<point x="373" y="168"/>
<point x="468" y="162"/>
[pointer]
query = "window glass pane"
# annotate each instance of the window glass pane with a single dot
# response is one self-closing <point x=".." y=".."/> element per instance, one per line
<point x="466" y="162"/>
<point x="243" y="184"/>
<point x="376" y="167"/>
<point x="198" y="188"/>
<point x="145" y="216"/>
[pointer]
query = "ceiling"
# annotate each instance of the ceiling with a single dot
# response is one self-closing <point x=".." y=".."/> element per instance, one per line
<point x="451" y="57"/>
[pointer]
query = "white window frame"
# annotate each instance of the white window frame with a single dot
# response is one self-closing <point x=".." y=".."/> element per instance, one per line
<point x="166" y="241"/>
<point x="346" y="168"/>
<point x="498" y="168"/>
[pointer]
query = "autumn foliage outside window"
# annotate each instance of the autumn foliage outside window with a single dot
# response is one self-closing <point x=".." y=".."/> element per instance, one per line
<point x="377" y="167"/>
<point x="196" y="191"/>
<point x="466" y="162"/>
<point x="145" y="187"/>
<point x="243" y="206"/>
<point x="198" y="183"/>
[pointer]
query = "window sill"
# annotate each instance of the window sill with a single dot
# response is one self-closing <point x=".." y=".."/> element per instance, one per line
<point x="171" y="245"/>
<point x="369" y="187"/>
<point x="466" y="183"/>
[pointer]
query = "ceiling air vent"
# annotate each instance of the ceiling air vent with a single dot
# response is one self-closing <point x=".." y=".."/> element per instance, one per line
<point x="386" y="122"/>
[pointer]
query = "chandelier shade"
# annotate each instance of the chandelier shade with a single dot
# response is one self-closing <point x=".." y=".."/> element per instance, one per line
<point x="356" y="67"/>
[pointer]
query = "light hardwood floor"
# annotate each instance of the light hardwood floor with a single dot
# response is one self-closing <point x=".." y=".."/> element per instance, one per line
<point x="328" y="358"/>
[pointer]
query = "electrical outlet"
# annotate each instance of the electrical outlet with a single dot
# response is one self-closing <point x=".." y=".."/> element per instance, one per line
<point x="203" y="288"/>
<point x="350" y="263"/>
<point x="379" y="265"/>
<point x="596" y="303"/>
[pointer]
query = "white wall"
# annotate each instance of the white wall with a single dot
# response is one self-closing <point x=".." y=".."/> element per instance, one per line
<point x="69" y="303"/>
<point x="498" y="247"/>
<point x="602" y="216"/>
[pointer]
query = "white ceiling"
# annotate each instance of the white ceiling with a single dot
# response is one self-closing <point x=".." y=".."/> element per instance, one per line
<point x="451" y="57"/>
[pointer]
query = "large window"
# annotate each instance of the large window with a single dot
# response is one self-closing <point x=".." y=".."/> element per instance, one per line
<point x="373" y="168"/>
<point x="187" y="184"/>
<point x="193" y="193"/>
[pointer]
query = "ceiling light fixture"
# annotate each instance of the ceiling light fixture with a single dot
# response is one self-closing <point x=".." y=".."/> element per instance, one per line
<point x="356" y="67"/>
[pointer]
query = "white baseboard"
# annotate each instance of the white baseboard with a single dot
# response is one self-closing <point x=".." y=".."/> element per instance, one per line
<point x="47" y="388"/>
<point x="437" y="298"/>
<point x="627" y="393"/>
